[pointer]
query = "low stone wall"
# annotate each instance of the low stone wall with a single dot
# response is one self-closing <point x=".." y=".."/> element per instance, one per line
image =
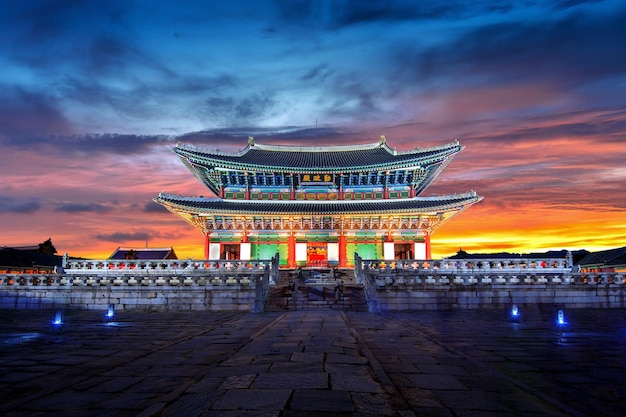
<point x="150" y="298"/>
<point x="447" y="297"/>
<point x="146" y="285"/>
<point x="241" y="298"/>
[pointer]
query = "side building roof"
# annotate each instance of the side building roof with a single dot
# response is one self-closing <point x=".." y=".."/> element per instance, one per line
<point x="281" y="158"/>
<point x="144" y="253"/>
<point x="610" y="257"/>
<point x="28" y="257"/>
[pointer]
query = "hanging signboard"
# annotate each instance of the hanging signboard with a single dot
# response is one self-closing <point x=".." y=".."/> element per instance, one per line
<point x="316" y="179"/>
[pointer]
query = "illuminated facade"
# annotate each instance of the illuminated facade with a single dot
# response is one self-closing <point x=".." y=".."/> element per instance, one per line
<point x="317" y="206"/>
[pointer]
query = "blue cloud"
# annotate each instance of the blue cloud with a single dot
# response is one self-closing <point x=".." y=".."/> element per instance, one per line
<point x="9" y="204"/>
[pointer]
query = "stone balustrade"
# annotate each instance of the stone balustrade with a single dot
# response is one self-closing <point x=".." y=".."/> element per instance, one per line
<point x="475" y="265"/>
<point x="189" y="273"/>
<point x="153" y="285"/>
<point x="479" y="272"/>
<point x="217" y="273"/>
<point x="161" y="267"/>
<point x="242" y="278"/>
<point x="385" y="278"/>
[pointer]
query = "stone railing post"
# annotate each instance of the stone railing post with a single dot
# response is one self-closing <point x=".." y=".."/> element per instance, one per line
<point x="261" y="289"/>
<point x="358" y="268"/>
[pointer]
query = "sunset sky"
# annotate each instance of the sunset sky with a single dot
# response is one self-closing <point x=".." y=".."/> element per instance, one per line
<point x="95" y="94"/>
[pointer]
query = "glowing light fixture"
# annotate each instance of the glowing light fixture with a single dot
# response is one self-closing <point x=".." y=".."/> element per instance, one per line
<point x="110" y="314"/>
<point x="515" y="311"/>
<point x="560" y="318"/>
<point x="58" y="319"/>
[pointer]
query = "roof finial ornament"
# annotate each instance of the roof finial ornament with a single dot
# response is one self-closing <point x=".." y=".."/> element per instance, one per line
<point x="250" y="141"/>
<point x="383" y="140"/>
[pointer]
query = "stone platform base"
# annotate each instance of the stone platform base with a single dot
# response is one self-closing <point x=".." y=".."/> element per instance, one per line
<point x="452" y="297"/>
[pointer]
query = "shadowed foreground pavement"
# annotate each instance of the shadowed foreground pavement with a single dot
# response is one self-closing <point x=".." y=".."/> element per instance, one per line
<point x="313" y="363"/>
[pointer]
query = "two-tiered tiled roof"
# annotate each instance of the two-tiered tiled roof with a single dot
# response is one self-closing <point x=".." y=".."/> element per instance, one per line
<point x="410" y="172"/>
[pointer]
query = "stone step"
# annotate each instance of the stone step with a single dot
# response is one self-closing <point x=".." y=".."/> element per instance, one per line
<point x="282" y="298"/>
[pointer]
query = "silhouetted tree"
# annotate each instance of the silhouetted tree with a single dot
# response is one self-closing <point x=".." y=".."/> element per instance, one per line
<point x="47" y="247"/>
<point x="131" y="254"/>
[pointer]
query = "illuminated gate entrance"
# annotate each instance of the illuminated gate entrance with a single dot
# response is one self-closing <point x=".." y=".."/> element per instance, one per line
<point x="316" y="254"/>
<point x="230" y="252"/>
<point x="403" y="251"/>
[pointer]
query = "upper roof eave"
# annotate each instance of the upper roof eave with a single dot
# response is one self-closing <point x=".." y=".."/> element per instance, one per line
<point x="192" y="149"/>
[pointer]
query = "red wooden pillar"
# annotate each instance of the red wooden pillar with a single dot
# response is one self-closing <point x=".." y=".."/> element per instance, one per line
<point x="386" y="191"/>
<point x="291" y="251"/>
<point x="427" y="242"/>
<point x="207" y="240"/>
<point x="342" y="250"/>
<point x="340" y="196"/>
<point x="247" y="192"/>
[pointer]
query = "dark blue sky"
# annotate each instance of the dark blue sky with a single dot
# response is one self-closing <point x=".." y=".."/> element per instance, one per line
<point x="93" y="94"/>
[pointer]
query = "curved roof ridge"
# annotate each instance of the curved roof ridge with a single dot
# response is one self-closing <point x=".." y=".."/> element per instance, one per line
<point x="382" y="143"/>
<point x="331" y="148"/>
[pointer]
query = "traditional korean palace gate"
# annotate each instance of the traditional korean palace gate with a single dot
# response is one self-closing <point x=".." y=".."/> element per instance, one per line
<point x="317" y="206"/>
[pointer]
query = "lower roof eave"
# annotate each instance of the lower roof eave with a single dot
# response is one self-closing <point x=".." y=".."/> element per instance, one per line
<point x="416" y="205"/>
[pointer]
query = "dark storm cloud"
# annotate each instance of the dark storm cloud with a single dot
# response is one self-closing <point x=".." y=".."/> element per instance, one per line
<point x="152" y="207"/>
<point x="566" y="4"/>
<point x="108" y="54"/>
<point x="33" y="120"/>
<point x="578" y="48"/>
<point x="9" y="204"/>
<point x="84" y="208"/>
<point x="343" y="13"/>
<point x="114" y="143"/>
<point x="51" y="32"/>
<point x="318" y="74"/>
<point x="609" y="127"/>
<point x="142" y="235"/>
<point x="122" y="237"/>
<point x="363" y="97"/>
<point x="29" y="116"/>
<point x="286" y="135"/>
<point x="239" y="111"/>
<point x="73" y="145"/>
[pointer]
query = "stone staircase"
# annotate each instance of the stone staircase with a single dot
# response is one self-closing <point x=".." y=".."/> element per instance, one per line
<point x="316" y="289"/>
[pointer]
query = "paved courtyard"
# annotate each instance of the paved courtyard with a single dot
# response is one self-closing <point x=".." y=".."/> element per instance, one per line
<point x="314" y="363"/>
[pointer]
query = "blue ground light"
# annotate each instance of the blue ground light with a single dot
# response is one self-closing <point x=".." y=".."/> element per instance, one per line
<point x="110" y="314"/>
<point x="58" y="319"/>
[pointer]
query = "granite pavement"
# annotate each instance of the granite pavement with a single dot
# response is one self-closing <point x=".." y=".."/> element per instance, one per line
<point x="313" y="363"/>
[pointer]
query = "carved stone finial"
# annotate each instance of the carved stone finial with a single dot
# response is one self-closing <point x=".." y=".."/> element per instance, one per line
<point x="250" y="141"/>
<point x="382" y="140"/>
